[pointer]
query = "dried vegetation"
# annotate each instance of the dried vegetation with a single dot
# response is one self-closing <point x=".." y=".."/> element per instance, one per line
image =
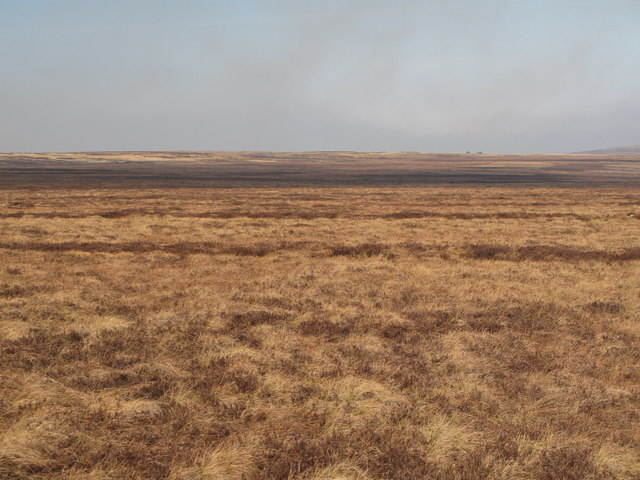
<point x="320" y="334"/>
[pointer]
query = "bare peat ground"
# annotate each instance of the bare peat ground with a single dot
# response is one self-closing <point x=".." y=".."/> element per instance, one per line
<point x="224" y="321"/>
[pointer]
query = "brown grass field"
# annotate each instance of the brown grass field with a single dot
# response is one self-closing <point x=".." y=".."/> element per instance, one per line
<point x="325" y="316"/>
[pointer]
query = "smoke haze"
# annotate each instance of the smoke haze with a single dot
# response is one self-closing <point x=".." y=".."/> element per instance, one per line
<point x="504" y="76"/>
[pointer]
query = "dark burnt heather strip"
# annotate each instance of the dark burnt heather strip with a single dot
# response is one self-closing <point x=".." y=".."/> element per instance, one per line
<point x="302" y="215"/>
<point x="535" y="253"/>
<point x="213" y="215"/>
<point x="548" y="253"/>
<point x="477" y="215"/>
<point x="181" y="248"/>
<point x="532" y="253"/>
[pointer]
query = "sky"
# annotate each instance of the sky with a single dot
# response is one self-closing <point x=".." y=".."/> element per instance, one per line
<point x="498" y="76"/>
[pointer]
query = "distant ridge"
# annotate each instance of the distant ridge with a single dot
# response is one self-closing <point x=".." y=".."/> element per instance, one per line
<point x="632" y="150"/>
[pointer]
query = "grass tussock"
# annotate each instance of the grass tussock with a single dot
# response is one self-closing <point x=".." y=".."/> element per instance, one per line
<point x="319" y="334"/>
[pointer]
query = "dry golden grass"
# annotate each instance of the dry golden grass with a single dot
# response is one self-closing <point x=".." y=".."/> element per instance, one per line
<point x="320" y="334"/>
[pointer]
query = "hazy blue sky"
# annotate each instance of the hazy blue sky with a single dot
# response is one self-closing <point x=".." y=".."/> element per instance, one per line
<point x="434" y="75"/>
